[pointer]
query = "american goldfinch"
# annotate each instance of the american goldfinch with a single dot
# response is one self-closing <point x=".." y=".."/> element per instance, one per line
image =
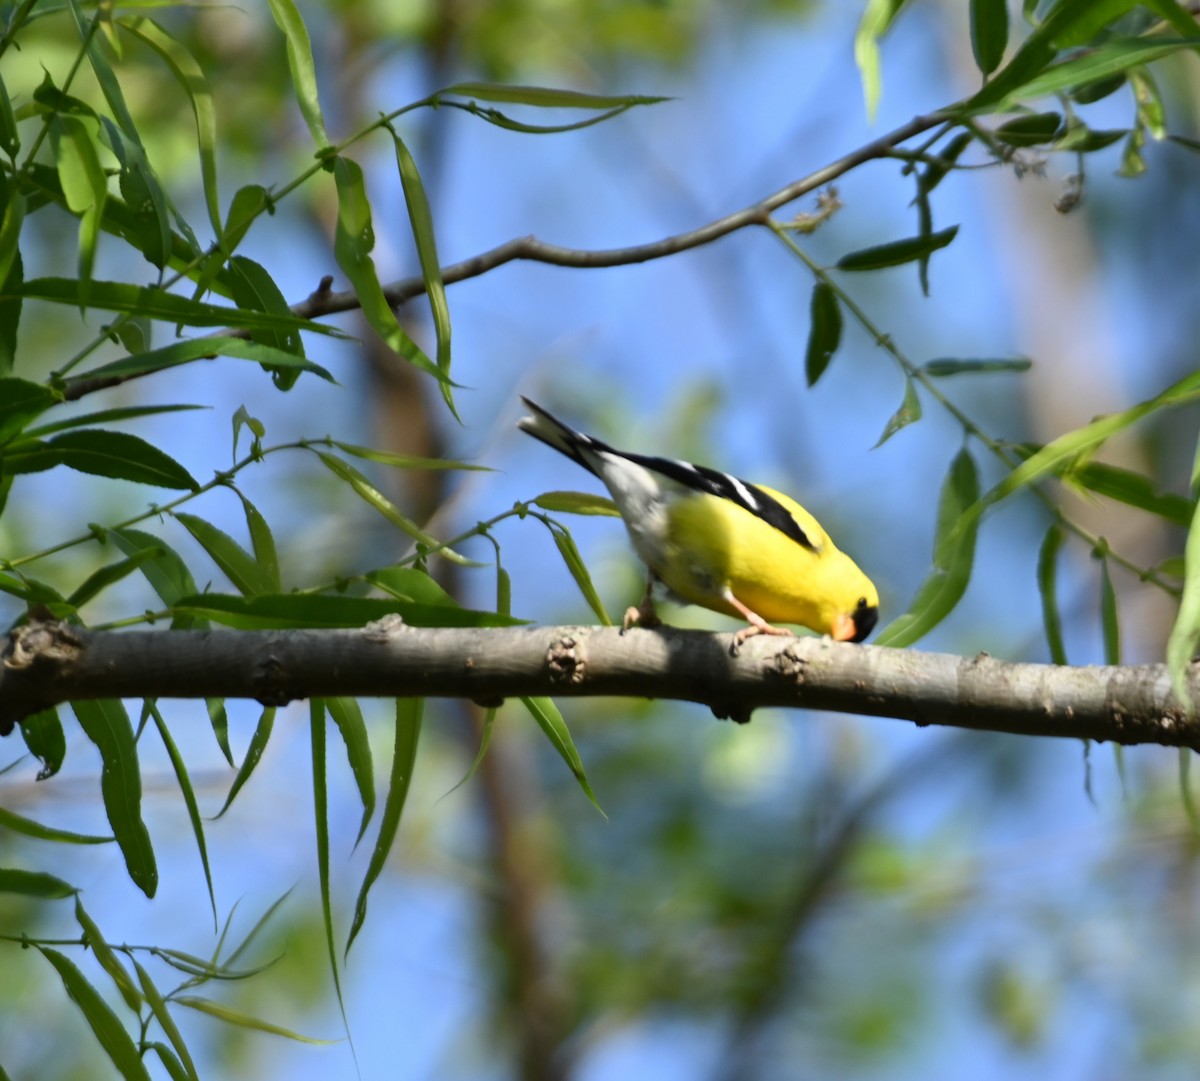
<point x="734" y="547"/>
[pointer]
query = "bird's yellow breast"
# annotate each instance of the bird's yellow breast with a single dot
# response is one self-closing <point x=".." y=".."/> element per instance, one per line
<point x="719" y="547"/>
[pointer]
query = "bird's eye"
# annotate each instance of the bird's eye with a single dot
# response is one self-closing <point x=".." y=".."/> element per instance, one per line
<point x="862" y="602"/>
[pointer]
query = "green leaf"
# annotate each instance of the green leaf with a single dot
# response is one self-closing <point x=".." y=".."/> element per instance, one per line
<point x="34" y="884"/>
<point x="100" y="580"/>
<point x="106" y="1026"/>
<point x="989" y="33"/>
<point x="326" y="610"/>
<point x="876" y="20"/>
<point x="153" y="303"/>
<point x="373" y="497"/>
<point x="10" y="820"/>
<point x="354" y="239"/>
<point x="105" y="416"/>
<point x="234" y="1017"/>
<point x="404" y="756"/>
<point x="1109" y="620"/>
<point x="935" y="172"/>
<point x="953" y="558"/>
<point x="1185" y="634"/>
<point x="909" y="411"/>
<point x="945" y="366"/>
<point x="550" y="721"/>
<point x="316" y="715"/>
<point x="144" y="220"/>
<point x="243" y="419"/>
<point x="255" y="290"/>
<point x="163" y="568"/>
<point x="406" y="461"/>
<point x="84" y="185"/>
<point x="254" y="752"/>
<point x="183" y="352"/>
<point x="105" y="722"/>
<point x="238" y="565"/>
<point x="1064" y="453"/>
<point x="421" y="219"/>
<point x="218" y="718"/>
<point x="300" y="63"/>
<point x="1132" y="489"/>
<point x="412" y="584"/>
<point x="263" y="543"/>
<point x="1047" y="575"/>
<point x="1030" y="129"/>
<point x="43" y="735"/>
<point x="20" y="402"/>
<point x="190" y="76"/>
<point x="189" y="797"/>
<point x="576" y="503"/>
<point x="897" y="252"/>
<point x="10" y="236"/>
<point x="10" y="137"/>
<point x="1151" y="112"/>
<point x="348" y="717"/>
<point x="545" y="97"/>
<point x="567" y="548"/>
<point x="10" y="310"/>
<point x="101" y="453"/>
<point x="1105" y="61"/>
<point x="825" y="331"/>
<point x="95" y="941"/>
<point x="162" y="1015"/>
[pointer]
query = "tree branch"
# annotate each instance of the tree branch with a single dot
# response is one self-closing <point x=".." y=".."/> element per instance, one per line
<point x="47" y="662"/>
<point x="324" y="301"/>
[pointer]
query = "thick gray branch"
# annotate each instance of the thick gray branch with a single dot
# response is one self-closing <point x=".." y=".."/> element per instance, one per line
<point x="46" y="663"/>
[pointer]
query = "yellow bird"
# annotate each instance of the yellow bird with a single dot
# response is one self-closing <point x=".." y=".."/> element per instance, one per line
<point x="733" y="547"/>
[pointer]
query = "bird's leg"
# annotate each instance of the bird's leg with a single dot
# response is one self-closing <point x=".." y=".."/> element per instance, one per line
<point x="758" y="625"/>
<point x="644" y="614"/>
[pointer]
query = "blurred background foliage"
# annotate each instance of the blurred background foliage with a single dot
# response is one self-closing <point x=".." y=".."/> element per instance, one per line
<point x="806" y="896"/>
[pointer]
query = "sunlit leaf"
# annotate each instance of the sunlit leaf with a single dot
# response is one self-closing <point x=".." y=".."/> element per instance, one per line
<point x="421" y="219"/>
<point x="567" y="548"/>
<point x="107" y="959"/>
<point x="239" y="566"/>
<point x="300" y="63"/>
<point x="162" y="1015"/>
<point x="909" y="411"/>
<point x="190" y="76"/>
<point x="877" y="18"/>
<point x="235" y="1017"/>
<point x="550" y="721"/>
<point x="354" y="241"/>
<point x="576" y="503"/>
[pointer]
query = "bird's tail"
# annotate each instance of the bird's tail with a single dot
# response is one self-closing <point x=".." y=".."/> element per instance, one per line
<point x="554" y="433"/>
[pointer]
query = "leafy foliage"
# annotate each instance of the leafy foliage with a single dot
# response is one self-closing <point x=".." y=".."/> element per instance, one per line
<point x="76" y="148"/>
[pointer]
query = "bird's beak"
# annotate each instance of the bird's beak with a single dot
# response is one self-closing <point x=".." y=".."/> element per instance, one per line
<point x="844" y="629"/>
<point x="855" y="626"/>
